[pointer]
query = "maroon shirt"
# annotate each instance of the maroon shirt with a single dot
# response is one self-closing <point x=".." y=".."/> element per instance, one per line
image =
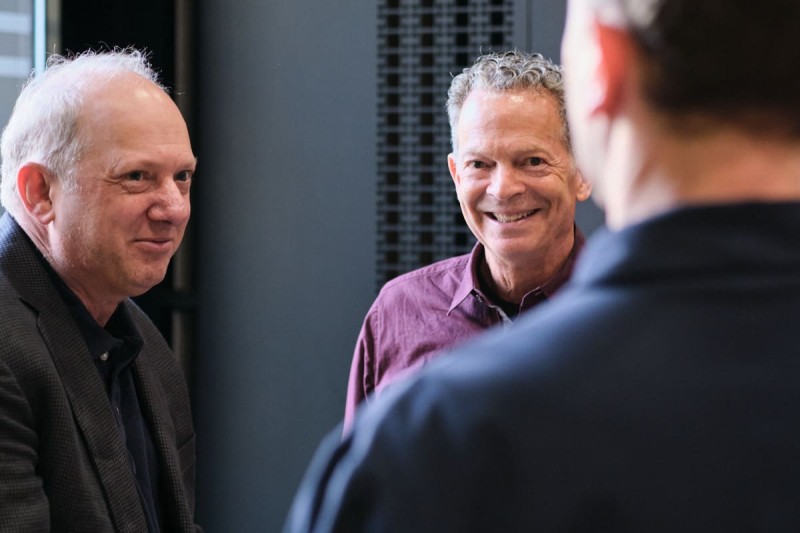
<point x="420" y="314"/>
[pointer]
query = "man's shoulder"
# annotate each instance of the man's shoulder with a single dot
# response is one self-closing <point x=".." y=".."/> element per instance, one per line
<point x="7" y="290"/>
<point x="16" y="315"/>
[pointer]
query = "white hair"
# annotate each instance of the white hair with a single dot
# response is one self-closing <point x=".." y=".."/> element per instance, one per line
<point x="43" y="125"/>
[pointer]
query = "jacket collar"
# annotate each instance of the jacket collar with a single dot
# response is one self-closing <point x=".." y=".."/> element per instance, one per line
<point x="82" y="383"/>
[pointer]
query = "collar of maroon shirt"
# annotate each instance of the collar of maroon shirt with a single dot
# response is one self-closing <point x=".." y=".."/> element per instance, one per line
<point x="470" y="285"/>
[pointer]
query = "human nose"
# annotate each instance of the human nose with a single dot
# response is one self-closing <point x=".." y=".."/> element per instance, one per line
<point x="171" y="203"/>
<point x="505" y="183"/>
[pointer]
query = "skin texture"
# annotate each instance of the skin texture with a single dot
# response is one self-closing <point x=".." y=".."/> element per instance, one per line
<point x="113" y="235"/>
<point x="517" y="185"/>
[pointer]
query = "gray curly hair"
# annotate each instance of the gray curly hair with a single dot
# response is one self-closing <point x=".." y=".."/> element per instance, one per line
<point x="43" y="124"/>
<point x="507" y="71"/>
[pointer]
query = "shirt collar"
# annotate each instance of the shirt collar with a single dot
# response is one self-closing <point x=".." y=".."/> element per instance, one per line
<point x="470" y="285"/>
<point x="119" y="330"/>
<point x="469" y="279"/>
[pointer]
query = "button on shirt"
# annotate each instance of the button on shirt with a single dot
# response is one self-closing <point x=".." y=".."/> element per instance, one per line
<point x="422" y="313"/>
<point x="113" y="349"/>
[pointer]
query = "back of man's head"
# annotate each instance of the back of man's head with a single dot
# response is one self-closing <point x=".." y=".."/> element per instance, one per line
<point x="512" y="70"/>
<point x="42" y="127"/>
<point x="731" y="61"/>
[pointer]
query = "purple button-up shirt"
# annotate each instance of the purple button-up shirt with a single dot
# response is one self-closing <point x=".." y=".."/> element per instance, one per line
<point x="420" y="314"/>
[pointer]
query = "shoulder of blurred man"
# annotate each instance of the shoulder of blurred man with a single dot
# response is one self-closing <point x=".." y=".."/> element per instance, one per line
<point x="575" y="414"/>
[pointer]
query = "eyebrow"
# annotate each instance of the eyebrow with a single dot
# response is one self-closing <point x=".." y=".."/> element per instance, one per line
<point x="143" y="163"/>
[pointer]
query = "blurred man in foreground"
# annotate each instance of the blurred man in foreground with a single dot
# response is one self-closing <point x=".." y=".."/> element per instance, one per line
<point x="661" y="390"/>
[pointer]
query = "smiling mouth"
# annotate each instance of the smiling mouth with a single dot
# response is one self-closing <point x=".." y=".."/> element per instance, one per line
<point x="505" y="219"/>
<point x="156" y="243"/>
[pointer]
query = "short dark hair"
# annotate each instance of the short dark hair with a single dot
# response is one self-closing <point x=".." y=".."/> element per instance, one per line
<point x="728" y="60"/>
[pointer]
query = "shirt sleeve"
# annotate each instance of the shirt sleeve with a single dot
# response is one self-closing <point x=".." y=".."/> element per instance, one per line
<point x="362" y="380"/>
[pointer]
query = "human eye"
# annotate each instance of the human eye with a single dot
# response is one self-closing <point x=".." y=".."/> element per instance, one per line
<point x="136" y="175"/>
<point x="185" y="175"/>
<point x="535" y="161"/>
<point x="477" y="165"/>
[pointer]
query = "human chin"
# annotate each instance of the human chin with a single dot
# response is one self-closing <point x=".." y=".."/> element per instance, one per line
<point x="145" y="279"/>
<point x="509" y="251"/>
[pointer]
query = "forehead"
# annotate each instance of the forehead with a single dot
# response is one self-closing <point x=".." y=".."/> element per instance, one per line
<point x="127" y="111"/>
<point x="489" y="116"/>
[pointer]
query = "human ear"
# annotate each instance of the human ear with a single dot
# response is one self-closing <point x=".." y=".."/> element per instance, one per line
<point x="33" y="186"/>
<point x="614" y="61"/>
<point x="451" y="164"/>
<point x="584" y="188"/>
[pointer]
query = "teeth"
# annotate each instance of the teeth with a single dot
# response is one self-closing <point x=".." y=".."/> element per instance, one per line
<point x="512" y="218"/>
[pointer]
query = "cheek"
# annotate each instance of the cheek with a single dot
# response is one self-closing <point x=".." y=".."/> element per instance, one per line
<point x="468" y="193"/>
<point x="559" y="187"/>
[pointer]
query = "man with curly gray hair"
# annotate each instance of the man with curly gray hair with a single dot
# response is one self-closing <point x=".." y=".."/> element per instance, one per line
<point x="95" y="426"/>
<point x="517" y="185"/>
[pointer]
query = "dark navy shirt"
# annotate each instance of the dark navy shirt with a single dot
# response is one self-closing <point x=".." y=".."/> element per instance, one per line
<point x="113" y="349"/>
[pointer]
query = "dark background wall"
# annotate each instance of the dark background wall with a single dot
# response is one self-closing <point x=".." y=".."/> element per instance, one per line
<point x="282" y="248"/>
<point x="286" y="241"/>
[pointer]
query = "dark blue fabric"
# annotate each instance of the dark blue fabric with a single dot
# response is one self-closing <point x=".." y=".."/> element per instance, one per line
<point x="127" y="410"/>
<point x="659" y="391"/>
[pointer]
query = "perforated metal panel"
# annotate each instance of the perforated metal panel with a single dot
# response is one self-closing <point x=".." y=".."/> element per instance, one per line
<point x="421" y="45"/>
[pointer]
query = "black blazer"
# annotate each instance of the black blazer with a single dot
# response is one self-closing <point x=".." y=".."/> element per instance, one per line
<point x="63" y="466"/>
<point x="659" y="391"/>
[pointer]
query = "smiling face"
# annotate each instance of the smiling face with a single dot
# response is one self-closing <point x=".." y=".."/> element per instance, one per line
<point x="114" y="233"/>
<point x="515" y="177"/>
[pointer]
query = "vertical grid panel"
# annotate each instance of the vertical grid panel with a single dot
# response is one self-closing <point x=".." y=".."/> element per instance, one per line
<point x="421" y="45"/>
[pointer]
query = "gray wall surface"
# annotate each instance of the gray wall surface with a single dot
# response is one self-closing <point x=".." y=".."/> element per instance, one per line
<point x="284" y="211"/>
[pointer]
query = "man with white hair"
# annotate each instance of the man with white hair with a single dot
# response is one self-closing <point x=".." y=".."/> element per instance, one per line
<point x="660" y="391"/>
<point x="95" y="426"/>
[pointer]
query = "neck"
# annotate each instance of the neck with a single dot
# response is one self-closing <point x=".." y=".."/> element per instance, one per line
<point x="725" y="166"/>
<point x="100" y="311"/>
<point x="512" y="281"/>
<point x="101" y="308"/>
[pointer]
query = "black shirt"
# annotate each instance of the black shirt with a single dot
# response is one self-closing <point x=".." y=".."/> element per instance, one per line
<point x="114" y="349"/>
